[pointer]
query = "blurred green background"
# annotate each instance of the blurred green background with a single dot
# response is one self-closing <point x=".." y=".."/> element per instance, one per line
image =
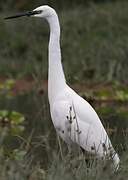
<point x="94" y="44"/>
<point x="100" y="42"/>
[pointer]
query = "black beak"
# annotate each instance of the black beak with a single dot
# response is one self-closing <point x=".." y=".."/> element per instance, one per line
<point x="29" y="13"/>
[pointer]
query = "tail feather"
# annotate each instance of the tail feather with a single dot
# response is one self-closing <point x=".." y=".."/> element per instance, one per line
<point x="116" y="161"/>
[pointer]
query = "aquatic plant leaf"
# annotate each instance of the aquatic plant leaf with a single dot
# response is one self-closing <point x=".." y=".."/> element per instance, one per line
<point x="3" y="113"/>
<point x="16" y="117"/>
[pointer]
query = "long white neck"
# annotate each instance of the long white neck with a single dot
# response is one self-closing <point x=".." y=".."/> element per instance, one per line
<point x="56" y="78"/>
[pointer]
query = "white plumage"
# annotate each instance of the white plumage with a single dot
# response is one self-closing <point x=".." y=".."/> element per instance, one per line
<point x="74" y="118"/>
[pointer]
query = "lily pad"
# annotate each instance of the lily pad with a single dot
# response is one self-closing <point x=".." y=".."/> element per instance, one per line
<point x="12" y="120"/>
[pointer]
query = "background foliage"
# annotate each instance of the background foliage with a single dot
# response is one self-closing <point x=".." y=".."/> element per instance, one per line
<point x="100" y="43"/>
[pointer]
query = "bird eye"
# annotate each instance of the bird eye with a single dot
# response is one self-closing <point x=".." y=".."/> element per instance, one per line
<point x="40" y="11"/>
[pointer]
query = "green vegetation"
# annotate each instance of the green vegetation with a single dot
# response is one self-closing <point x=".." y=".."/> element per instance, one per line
<point x="94" y="45"/>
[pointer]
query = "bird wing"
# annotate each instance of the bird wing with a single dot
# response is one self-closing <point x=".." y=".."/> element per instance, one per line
<point x="93" y="138"/>
<point x="77" y="122"/>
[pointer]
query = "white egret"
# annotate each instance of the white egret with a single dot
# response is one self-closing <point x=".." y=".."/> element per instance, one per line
<point x="73" y="117"/>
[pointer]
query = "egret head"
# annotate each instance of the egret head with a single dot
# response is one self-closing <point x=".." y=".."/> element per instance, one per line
<point x="42" y="11"/>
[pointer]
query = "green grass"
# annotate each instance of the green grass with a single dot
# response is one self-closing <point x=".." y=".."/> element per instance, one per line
<point x="21" y="165"/>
